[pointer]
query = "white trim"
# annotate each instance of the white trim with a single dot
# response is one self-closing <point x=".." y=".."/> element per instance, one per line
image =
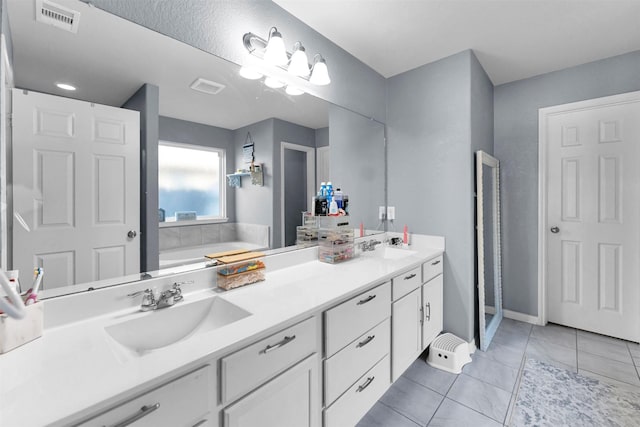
<point x="543" y="115"/>
<point x="521" y="317"/>
<point x="311" y="177"/>
<point x="6" y="75"/>
<point x="472" y="346"/>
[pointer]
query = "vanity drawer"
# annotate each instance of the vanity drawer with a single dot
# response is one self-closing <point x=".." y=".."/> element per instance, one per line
<point x="406" y="282"/>
<point x="431" y="268"/>
<point x="345" y="367"/>
<point x="352" y="318"/>
<point x="246" y="369"/>
<point x="351" y="406"/>
<point x="182" y="402"/>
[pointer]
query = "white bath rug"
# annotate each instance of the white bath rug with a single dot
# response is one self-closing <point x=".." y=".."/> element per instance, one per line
<point x="550" y="396"/>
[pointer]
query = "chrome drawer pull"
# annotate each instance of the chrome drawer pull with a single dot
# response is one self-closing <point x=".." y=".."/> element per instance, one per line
<point x="366" y="300"/>
<point x="366" y="341"/>
<point x="286" y="340"/>
<point x="435" y="262"/>
<point x="144" y="411"/>
<point x="428" y="315"/>
<point x="365" y="385"/>
<point x="409" y="277"/>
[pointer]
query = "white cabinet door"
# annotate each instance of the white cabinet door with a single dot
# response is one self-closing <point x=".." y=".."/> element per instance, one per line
<point x="432" y="304"/>
<point x="406" y="332"/>
<point x="289" y="400"/>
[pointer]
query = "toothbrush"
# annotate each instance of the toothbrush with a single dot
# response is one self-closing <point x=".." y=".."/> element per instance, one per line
<point x="32" y="295"/>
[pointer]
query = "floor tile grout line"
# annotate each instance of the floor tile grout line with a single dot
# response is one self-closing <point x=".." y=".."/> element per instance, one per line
<point x="611" y="378"/>
<point x="516" y="386"/>
<point x="474" y="410"/>
<point x="397" y="412"/>
<point x="436" y="411"/>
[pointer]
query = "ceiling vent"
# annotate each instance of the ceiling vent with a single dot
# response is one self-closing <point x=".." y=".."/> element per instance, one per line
<point x="207" y="86"/>
<point x="61" y="17"/>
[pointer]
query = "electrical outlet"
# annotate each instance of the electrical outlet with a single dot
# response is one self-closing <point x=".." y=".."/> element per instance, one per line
<point x="391" y="213"/>
<point x="382" y="213"/>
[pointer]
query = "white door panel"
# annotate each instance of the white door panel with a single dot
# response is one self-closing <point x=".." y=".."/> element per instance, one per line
<point x="76" y="189"/>
<point x="593" y="200"/>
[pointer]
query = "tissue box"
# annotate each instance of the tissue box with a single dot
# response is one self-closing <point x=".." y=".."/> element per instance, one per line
<point x="15" y="332"/>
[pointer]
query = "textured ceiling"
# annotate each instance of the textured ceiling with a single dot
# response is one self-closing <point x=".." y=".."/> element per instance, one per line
<point x="513" y="39"/>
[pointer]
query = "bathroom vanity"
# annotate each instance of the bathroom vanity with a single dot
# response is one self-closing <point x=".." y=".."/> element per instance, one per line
<point x="314" y="345"/>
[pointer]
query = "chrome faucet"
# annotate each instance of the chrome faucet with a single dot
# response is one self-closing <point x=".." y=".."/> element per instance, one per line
<point x="369" y="245"/>
<point x="166" y="299"/>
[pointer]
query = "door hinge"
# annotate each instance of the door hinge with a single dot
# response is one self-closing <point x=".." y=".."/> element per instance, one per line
<point x="421" y="315"/>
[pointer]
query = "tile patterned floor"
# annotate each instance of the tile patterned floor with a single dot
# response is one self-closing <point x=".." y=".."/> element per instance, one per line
<point x="483" y="395"/>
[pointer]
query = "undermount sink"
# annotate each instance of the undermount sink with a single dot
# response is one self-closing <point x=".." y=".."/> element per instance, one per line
<point x="388" y="252"/>
<point x="166" y="326"/>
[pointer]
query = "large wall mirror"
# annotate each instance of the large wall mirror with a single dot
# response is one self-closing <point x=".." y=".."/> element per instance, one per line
<point x="488" y="249"/>
<point x="298" y="141"/>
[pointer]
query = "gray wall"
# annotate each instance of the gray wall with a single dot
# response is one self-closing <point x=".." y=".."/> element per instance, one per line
<point x="218" y="26"/>
<point x="295" y="134"/>
<point x="322" y="137"/>
<point x="261" y="205"/>
<point x="254" y="204"/>
<point x="146" y="101"/>
<point x="516" y="146"/>
<point x="437" y="116"/>
<point x="175" y="130"/>
<point x="357" y="163"/>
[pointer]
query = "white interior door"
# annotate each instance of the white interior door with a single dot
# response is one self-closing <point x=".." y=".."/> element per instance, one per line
<point x="593" y="211"/>
<point x="76" y="188"/>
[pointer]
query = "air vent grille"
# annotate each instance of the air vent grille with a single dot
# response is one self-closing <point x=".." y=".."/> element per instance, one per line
<point x="207" y="86"/>
<point x="59" y="16"/>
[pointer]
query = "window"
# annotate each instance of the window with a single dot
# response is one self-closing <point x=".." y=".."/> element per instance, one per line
<point x="191" y="182"/>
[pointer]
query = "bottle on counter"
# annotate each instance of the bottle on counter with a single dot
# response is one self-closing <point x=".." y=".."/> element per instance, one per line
<point x="329" y="192"/>
<point x="337" y="196"/>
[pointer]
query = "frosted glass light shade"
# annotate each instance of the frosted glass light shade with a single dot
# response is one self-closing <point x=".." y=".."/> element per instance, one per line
<point x="273" y="83"/>
<point x="320" y="73"/>
<point x="250" y="73"/>
<point x="276" y="53"/>
<point x="299" y="65"/>
<point x="293" y="91"/>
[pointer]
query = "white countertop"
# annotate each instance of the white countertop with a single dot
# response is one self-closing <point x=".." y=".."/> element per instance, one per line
<point x="77" y="368"/>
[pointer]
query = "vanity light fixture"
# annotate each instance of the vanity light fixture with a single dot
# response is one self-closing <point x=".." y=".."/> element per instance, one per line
<point x="250" y="73"/>
<point x="299" y="65"/>
<point x="273" y="83"/>
<point x="66" y="86"/>
<point x="320" y="72"/>
<point x="293" y="91"/>
<point x="273" y="52"/>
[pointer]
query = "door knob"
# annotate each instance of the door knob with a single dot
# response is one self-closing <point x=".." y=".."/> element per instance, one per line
<point x="555" y="230"/>
<point x="131" y="234"/>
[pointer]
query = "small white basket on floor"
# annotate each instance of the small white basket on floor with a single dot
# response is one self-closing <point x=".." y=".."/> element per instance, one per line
<point x="449" y="353"/>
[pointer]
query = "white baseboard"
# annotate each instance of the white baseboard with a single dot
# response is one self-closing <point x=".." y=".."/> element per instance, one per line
<point x="472" y="346"/>
<point x="515" y="315"/>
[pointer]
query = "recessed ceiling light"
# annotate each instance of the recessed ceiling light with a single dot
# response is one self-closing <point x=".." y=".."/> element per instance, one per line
<point x="65" y="86"/>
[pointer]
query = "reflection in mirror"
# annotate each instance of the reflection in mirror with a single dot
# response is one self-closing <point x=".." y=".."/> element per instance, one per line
<point x="488" y="249"/>
<point x="116" y="63"/>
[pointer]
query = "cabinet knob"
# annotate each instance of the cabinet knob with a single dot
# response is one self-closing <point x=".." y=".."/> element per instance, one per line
<point x="555" y="230"/>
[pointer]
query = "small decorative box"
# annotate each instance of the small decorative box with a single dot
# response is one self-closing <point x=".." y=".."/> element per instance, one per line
<point x="16" y="332"/>
<point x="240" y="270"/>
